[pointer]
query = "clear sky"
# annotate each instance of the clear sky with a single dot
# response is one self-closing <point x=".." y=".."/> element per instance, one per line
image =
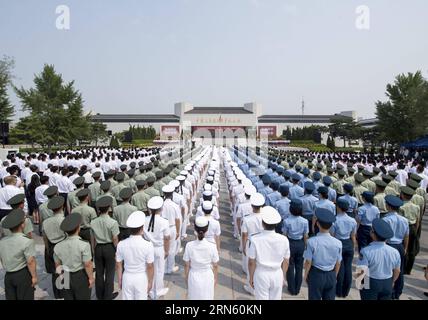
<point x="141" y="56"/>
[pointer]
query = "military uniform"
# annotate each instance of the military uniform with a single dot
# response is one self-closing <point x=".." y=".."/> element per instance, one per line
<point x="122" y="212"/>
<point x="366" y="214"/>
<point x="88" y="214"/>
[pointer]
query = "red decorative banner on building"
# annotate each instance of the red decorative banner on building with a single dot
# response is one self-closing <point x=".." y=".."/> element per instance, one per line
<point x="170" y="131"/>
<point x="267" y="130"/>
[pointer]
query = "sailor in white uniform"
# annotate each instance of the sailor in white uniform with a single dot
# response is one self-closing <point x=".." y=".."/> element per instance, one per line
<point x="243" y="209"/>
<point x="136" y="256"/>
<point x="268" y="256"/>
<point x="201" y="264"/>
<point x="214" y="230"/>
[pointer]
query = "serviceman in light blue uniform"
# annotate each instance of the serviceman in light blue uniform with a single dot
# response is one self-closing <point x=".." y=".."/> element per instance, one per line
<point x="296" y="191"/>
<point x="280" y="170"/>
<point x="353" y="202"/>
<point x="316" y="176"/>
<point x="308" y="205"/>
<point x="345" y="230"/>
<point x="273" y="197"/>
<point x="332" y="195"/>
<point x="283" y="204"/>
<point x="400" y="238"/>
<point x="366" y="214"/>
<point x="323" y="256"/>
<point x="296" y="229"/>
<point x="266" y="189"/>
<point x="306" y="178"/>
<point x="383" y="263"/>
<point x="287" y="177"/>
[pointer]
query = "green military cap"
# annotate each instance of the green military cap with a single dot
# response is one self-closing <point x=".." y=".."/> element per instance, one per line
<point x="341" y="173"/>
<point x="51" y="191"/>
<point x="149" y="166"/>
<point x="380" y="183"/>
<point x="310" y="165"/>
<point x="14" y="219"/>
<point x="71" y="222"/>
<point x="351" y="170"/>
<point x="412" y="184"/>
<point x="125" y="193"/>
<point x="150" y="179"/>
<point x="359" y="178"/>
<point x="120" y="176"/>
<point x="104" y="202"/>
<point x="16" y="199"/>
<point x="319" y="166"/>
<point x="79" y="181"/>
<point x="141" y="163"/>
<point x="330" y="170"/>
<point x="131" y="172"/>
<point x="123" y="167"/>
<point x="367" y="173"/>
<point x="56" y="203"/>
<point x="159" y="174"/>
<point x="339" y="166"/>
<point x="105" y="185"/>
<point x="133" y="164"/>
<point x="360" y="167"/>
<point x="387" y="178"/>
<point x="168" y="169"/>
<point x="111" y="172"/>
<point x="392" y="173"/>
<point x="349" y="165"/>
<point x="376" y="170"/>
<point x="140" y="183"/>
<point x="416" y="177"/>
<point x="96" y="174"/>
<point x="407" y="191"/>
<point x="82" y="193"/>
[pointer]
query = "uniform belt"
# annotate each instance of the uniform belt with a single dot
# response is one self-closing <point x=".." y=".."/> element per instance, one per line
<point x="74" y="272"/>
<point x="295" y="240"/>
<point x="123" y="228"/>
<point x="13" y="272"/>
<point x="104" y="244"/>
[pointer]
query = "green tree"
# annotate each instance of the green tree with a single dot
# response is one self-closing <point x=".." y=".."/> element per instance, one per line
<point x="55" y="109"/>
<point x="345" y="128"/>
<point x="6" y="108"/>
<point x="98" y="132"/>
<point x="404" y="116"/>
<point x="114" y="143"/>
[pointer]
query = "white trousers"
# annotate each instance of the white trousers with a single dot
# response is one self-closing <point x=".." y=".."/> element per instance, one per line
<point x="134" y="286"/>
<point x="268" y="284"/>
<point x="173" y="249"/>
<point x="200" y="284"/>
<point x="159" y="270"/>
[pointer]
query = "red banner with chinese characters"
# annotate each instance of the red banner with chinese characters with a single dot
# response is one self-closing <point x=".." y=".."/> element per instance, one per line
<point x="170" y="131"/>
<point x="270" y="131"/>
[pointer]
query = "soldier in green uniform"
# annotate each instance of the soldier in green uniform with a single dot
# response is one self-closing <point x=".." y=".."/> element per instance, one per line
<point x="149" y="171"/>
<point x="420" y="191"/>
<point x="52" y="235"/>
<point x="359" y="189"/>
<point x="88" y="214"/>
<point x="115" y="191"/>
<point x="330" y="173"/>
<point x="142" y="175"/>
<point x="18" y="202"/>
<point x="106" y="232"/>
<point x="389" y="189"/>
<point x="17" y="256"/>
<point x="350" y="179"/>
<point x="367" y="183"/>
<point x="167" y="179"/>
<point x="105" y="192"/>
<point x="376" y="176"/>
<point x="411" y="212"/>
<point x="151" y="191"/>
<point x="159" y="184"/>
<point x="420" y="202"/>
<point x="74" y="256"/>
<point x="72" y="199"/>
<point x="95" y="187"/>
<point x="379" y="198"/>
<point x="130" y="183"/>
<point x="339" y="183"/>
<point x="140" y="198"/>
<point x="110" y="177"/>
<point x="394" y="183"/>
<point x="123" y="211"/>
<point x="44" y="211"/>
<point x="123" y="168"/>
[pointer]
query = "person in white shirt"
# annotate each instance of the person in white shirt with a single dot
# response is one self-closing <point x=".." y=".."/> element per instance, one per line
<point x="214" y="229"/>
<point x="64" y="184"/>
<point x="201" y="264"/>
<point x="157" y="231"/>
<point x="136" y="256"/>
<point x="268" y="257"/>
<point x="40" y="197"/>
<point x="6" y="193"/>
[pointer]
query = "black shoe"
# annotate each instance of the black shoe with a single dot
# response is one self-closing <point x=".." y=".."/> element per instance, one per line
<point x="426" y="294"/>
<point x="114" y="295"/>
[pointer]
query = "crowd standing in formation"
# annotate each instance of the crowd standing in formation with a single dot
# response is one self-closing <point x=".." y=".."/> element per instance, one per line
<point x="297" y="217"/>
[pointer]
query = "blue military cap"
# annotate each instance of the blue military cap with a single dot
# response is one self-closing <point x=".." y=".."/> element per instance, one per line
<point x="295" y="204"/>
<point x="316" y="175"/>
<point x="323" y="189"/>
<point x="298" y="168"/>
<point x="325" y="215"/>
<point x="287" y="174"/>
<point x="274" y="185"/>
<point x="280" y="169"/>
<point x="368" y="196"/>
<point x="266" y="179"/>
<point x="393" y="201"/>
<point x="343" y="204"/>
<point x="283" y="188"/>
<point x="327" y="180"/>
<point x="309" y="186"/>
<point x="348" y="187"/>
<point x="295" y="177"/>
<point x="274" y="166"/>
<point x="291" y="164"/>
<point x="306" y="171"/>
<point x="382" y="228"/>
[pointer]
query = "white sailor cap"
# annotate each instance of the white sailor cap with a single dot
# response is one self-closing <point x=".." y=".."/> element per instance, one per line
<point x="168" y="188"/>
<point x="240" y="176"/>
<point x="174" y="183"/>
<point x="233" y="164"/>
<point x="211" y="172"/>
<point x="188" y="168"/>
<point x="207" y="193"/>
<point x="257" y="199"/>
<point x="207" y="205"/>
<point x="210" y="178"/>
<point x="201" y="222"/>
<point x="270" y="215"/>
<point x="246" y="182"/>
<point x="136" y="219"/>
<point x="184" y="173"/>
<point x="250" y="190"/>
<point x="155" y="203"/>
<point x="208" y="187"/>
<point x="181" y="178"/>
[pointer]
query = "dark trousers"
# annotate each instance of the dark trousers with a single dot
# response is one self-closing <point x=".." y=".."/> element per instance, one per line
<point x="104" y="277"/>
<point x="363" y="236"/>
<point x="4" y="213"/>
<point x="79" y="287"/>
<point x="309" y="218"/>
<point x="412" y="249"/>
<point x="17" y="285"/>
<point x="399" y="283"/>
<point x="295" y="268"/>
<point x="124" y="233"/>
<point x="50" y="268"/>
<point x="85" y="234"/>
<point x="278" y="228"/>
<point x="344" y="277"/>
<point x="65" y="196"/>
<point x="321" y="284"/>
<point x="379" y="290"/>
